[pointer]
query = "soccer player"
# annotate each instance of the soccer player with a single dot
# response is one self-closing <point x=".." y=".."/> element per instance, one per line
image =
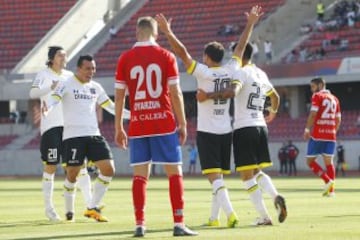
<point x="322" y="124"/>
<point x="82" y="139"/>
<point x="150" y="75"/>
<point x="214" y="130"/>
<point x="51" y="128"/>
<point x="250" y="137"/>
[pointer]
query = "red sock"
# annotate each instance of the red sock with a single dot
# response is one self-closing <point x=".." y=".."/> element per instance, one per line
<point x="139" y="198"/>
<point x="319" y="171"/>
<point x="330" y="170"/>
<point x="176" y="190"/>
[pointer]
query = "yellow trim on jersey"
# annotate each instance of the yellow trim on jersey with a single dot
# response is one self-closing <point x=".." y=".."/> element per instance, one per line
<point x="52" y="70"/>
<point x="236" y="81"/>
<point x="105" y="103"/>
<point x="191" y="69"/>
<point x="215" y="170"/>
<point x="253" y="166"/>
<point x="239" y="60"/>
<point x="57" y="97"/>
<point x="77" y="79"/>
<point x="216" y="67"/>
<point x="253" y="188"/>
<point x="268" y="93"/>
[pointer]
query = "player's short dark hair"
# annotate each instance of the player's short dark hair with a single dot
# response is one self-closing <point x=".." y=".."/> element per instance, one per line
<point x="51" y="54"/>
<point x="248" y="52"/>
<point x="147" y="22"/>
<point x="318" y="80"/>
<point x="215" y="51"/>
<point x="83" y="58"/>
<point x="247" y="55"/>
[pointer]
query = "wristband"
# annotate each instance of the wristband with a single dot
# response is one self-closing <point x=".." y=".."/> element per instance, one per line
<point x="306" y="130"/>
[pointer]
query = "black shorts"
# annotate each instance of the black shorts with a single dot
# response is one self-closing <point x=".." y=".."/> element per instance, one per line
<point x="51" y="146"/>
<point x="251" y="149"/>
<point x="75" y="150"/>
<point x="214" y="152"/>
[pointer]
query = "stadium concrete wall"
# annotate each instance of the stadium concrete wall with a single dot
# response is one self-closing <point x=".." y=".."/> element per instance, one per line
<point x="27" y="162"/>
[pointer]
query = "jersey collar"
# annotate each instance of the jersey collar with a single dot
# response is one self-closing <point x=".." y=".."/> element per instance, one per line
<point x="145" y="44"/>
<point x="325" y="91"/>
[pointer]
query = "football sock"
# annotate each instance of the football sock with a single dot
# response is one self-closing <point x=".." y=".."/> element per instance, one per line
<point x="100" y="187"/>
<point x="69" y="196"/>
<point x="330" y="170"/>
<point x="176" y="191"/>
<point x="215" y="208"/>
<point x="266" y="184"/>
<point x="84" y="184"/>
<point x="48" y="189"/>
<point x="222" y="196"/>
<point x="255" y="195"/>
<point x="319" y="171"/>
<point x="139" y="199"/>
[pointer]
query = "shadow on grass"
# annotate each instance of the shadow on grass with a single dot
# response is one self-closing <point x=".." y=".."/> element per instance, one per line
<point x="128" y="234"/>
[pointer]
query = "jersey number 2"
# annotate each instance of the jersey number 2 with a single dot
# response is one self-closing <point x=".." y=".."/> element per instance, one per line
<point x="141" y="74"/>
<point x="330" y="109"/>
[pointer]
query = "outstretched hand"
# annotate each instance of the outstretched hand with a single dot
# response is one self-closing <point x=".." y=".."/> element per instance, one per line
<point x="255" y="14"/>
<point x="163" y="23"/>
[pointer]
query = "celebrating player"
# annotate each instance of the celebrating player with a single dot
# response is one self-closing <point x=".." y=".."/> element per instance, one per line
<point x="250" y="138"/>
<point x="82" y="139"/>
<point x="149" y="73"/>
<point x="51" y="128"/>
<point x="321" y="127"/>
<point x="214" y="130"/>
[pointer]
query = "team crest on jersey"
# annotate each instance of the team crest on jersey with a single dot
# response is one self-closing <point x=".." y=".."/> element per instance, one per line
<point x="92" y="90"/>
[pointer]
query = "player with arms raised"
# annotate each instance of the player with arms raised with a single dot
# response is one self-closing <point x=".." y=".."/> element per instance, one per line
<point x="149" y="73"/>
<point x="214" y="130"/>
<point x="321" y="128"/>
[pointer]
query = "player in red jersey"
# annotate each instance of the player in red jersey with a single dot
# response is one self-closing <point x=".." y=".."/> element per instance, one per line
<point x="150" y="75"/>
<point x="321" y="127"/>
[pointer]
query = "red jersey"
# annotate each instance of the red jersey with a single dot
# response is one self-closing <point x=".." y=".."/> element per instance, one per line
<point x="146" y="71"/>
<point x="327" y="107"/>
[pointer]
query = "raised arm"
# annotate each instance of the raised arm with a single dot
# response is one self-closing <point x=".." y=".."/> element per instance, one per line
<point x="177" y="102"/>
<point x="252" y="18"/>
<point x="177" y="46"/>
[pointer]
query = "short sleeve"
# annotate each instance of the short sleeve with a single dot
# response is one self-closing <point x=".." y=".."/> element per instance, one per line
<point x="172" y="70"/>
<point x="38" y="81"/>
<point x="198" y="70"/>
<point x="120" y="77"/>
<point x="103" y="98"/>
<point x="315" y="103"/>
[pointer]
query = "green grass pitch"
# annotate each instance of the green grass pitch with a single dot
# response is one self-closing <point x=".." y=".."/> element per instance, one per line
<point x="310" y="216"/>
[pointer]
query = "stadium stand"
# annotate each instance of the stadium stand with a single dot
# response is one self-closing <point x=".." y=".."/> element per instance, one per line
<point x="24" y="23"/>
<point x="6" y="139"/>
<point x="195" y="23"/>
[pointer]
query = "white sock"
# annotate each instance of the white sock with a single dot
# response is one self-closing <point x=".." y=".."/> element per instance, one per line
<point x="222" y="196"/>
<point x="84" y="184"/>
<point x="48" y="189"/>
<point x="215" y="208"/>
<point x="69" y="195"/>
<point x="255" y="195"/>
<point x="266" y="184"/>
<point x="100" y="187"/>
